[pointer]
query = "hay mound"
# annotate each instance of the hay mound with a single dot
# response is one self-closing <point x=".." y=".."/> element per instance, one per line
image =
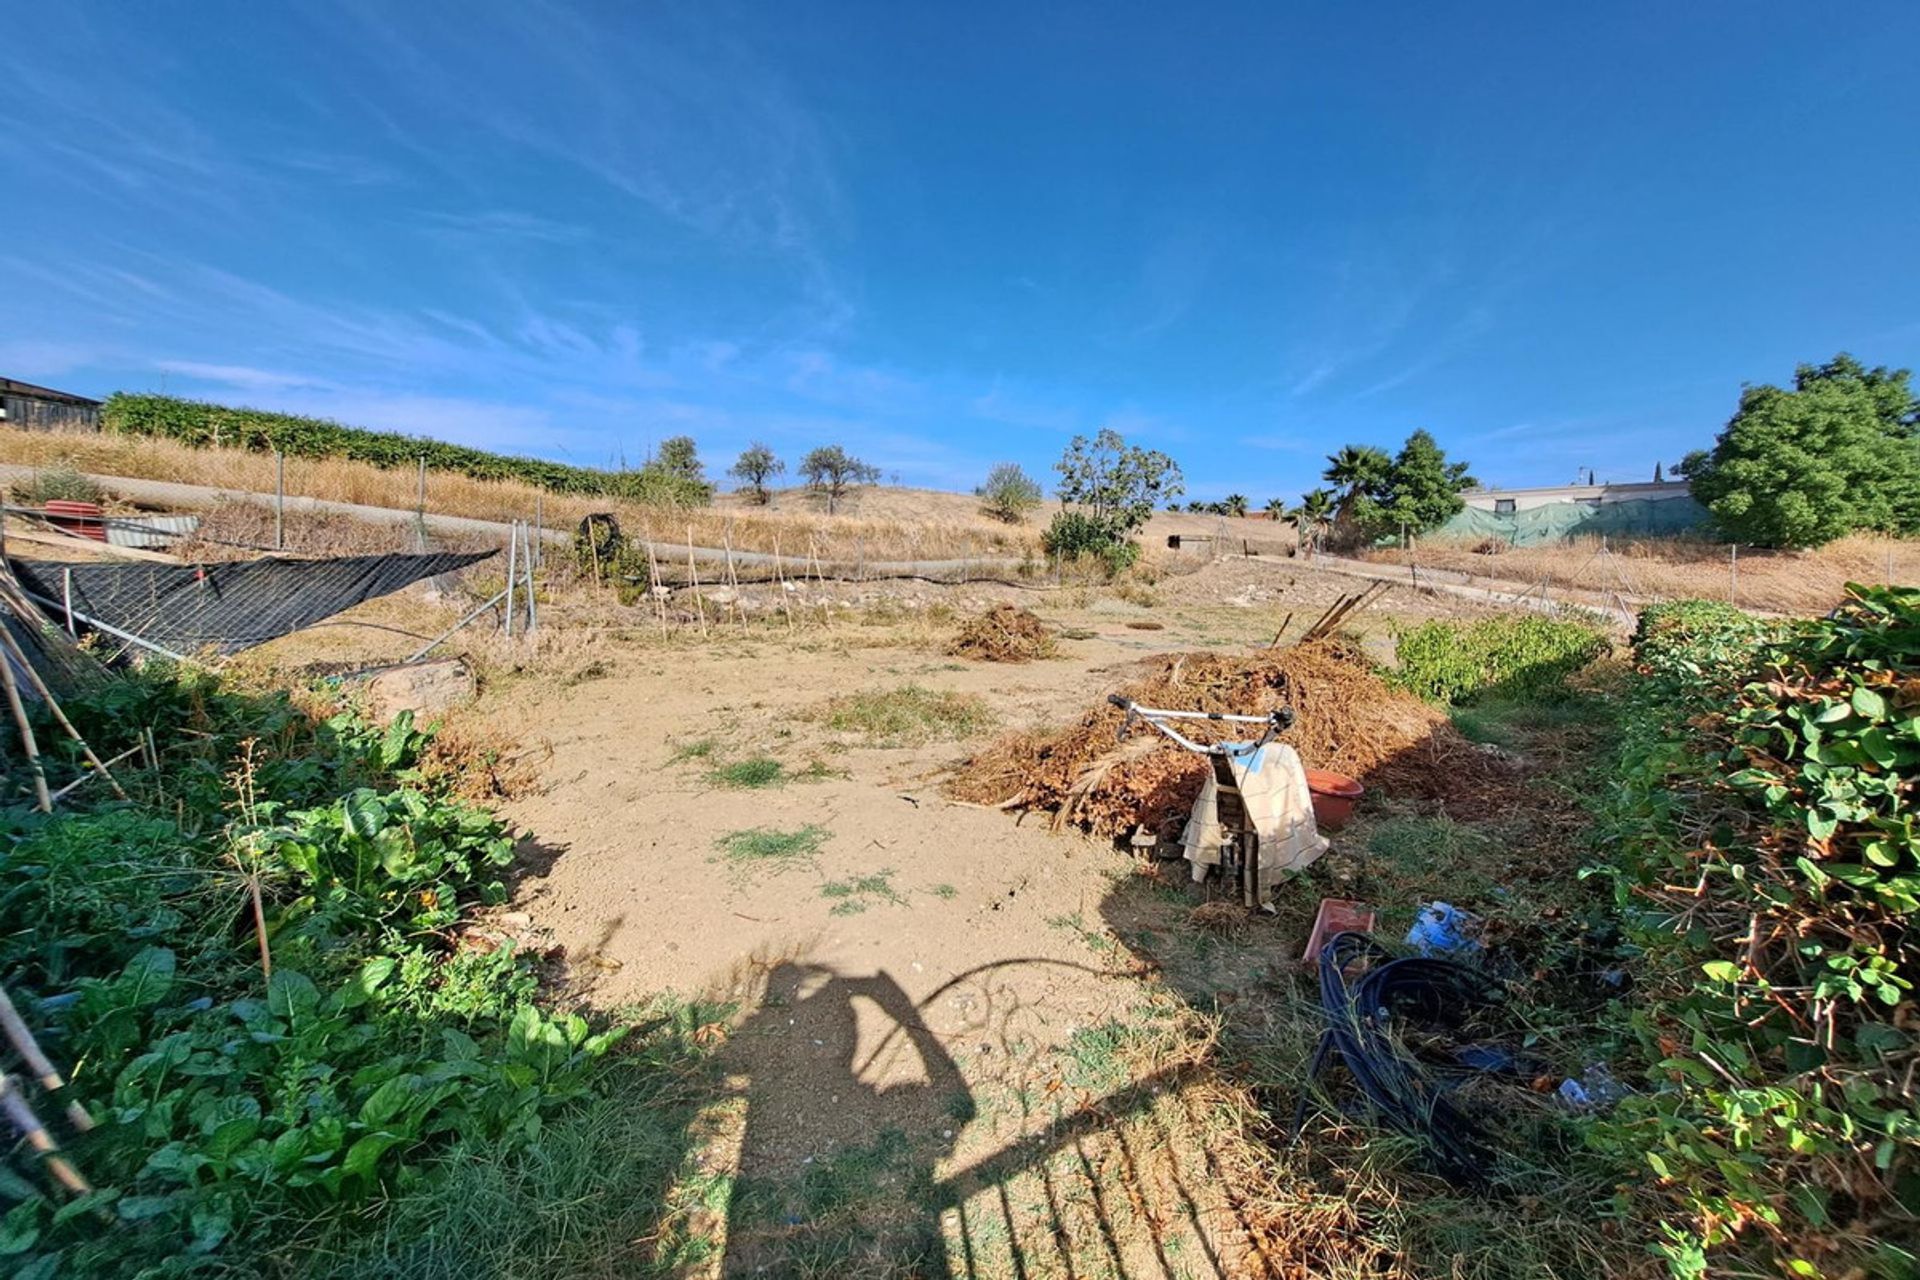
<point x="1346" y="719"/>
<point x="1004" y="633"/>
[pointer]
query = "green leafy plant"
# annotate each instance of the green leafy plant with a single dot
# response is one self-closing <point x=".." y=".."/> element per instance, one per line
<point x="60" y="482"/>
<point x="1009" y="493"/>
<point x="1512" y="655"/>
<point x="1764" y="852"/>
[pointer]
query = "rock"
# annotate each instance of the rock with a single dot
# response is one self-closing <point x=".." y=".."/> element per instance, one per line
<point x="424" y="688"/>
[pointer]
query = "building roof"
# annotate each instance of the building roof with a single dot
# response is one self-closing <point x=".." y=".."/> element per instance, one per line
<point x="12" y="387"/>
<point x="1651" y="486"/>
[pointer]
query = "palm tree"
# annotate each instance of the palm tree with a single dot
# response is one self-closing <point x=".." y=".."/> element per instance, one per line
<point x="1355" y="469"/>
<point x="1276" y="509"/>
<point x="1314" y="514"/>
<point x="1236" y="504"/>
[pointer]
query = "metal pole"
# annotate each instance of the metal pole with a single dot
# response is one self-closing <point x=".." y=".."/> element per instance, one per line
<point x="118" y="634"/>
<point x="539" y="547"/>
<point x="513" y="565"/>
<point x="446" y="635"/>
<point x="279" y="500"/>
<point x="66" y="591"/>
<point x="420" y="507"/>
<point x="526" y="563"/>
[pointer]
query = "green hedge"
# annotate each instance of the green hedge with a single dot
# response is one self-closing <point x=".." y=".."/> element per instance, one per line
<point x="199" y="423"/>
<point x="1510" y="655"/>
<point x="1762" y="842"/>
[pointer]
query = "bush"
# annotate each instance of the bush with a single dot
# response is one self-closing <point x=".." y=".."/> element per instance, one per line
<point x="1009" y="493"/>
<point x="61" y="482"/>
<point x="1761" y="842"/>
<point x="198" y="423"/>
<point x="1513" y="656"/>
<point x="1076" y="535"/>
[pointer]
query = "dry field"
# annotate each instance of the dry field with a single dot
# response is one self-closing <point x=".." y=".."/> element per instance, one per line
<point x="908" y="524"/>
<point x="1794" y="582"/>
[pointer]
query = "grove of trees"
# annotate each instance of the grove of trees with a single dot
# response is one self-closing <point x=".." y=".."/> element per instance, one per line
<point x="1415" y="490"/>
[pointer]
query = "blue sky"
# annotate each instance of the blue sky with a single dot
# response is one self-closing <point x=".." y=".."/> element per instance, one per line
<point x="1557" y="236"/>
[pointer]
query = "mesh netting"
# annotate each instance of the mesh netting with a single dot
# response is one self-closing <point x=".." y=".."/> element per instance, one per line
<point x="1558" y="521"/>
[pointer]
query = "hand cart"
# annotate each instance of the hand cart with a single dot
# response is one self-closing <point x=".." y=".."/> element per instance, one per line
<point x="1240" y="853"/>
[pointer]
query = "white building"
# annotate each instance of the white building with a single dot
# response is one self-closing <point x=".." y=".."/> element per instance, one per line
<point x="1505" y="502"/>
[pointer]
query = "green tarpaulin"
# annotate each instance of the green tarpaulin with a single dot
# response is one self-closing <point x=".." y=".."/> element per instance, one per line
<point x="1558" y="521"/>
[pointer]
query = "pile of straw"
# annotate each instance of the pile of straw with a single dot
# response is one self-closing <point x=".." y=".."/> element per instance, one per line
<point x="1004" y="633"/>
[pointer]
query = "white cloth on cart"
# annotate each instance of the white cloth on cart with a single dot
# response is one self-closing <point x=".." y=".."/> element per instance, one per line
<point x="1273" y="787"/>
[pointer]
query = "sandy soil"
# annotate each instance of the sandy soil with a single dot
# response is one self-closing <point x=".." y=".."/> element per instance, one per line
<point x="933" y="997"/>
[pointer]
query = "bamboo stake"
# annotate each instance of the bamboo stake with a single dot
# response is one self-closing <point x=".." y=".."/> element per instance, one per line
<point x="780" y="575"/>
<point x="21" y="1036"/>
<point x="733" y="579"/>
<point x="27" y="744"/>
<point x="12" y="646"/>
<point x="21" y="1113"/>
<point x="653" y="588"/>
<point x="694" y="573"/>
<point x="61" y="794"/>
<point x="526" y="563"/>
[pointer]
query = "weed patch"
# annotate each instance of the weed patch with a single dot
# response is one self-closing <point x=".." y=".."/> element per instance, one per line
<point x="752" y="774"/>
<point x="770" y="849"/>
<point x="855" y="894"/>
<point x="907" y="716"/>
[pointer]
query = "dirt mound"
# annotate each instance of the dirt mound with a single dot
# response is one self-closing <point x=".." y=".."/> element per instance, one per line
<point x="1004" y="633"/>
<point x="1346" y="719"/>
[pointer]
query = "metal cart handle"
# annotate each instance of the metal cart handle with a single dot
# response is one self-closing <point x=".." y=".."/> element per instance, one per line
<point x="1277" y="722"/>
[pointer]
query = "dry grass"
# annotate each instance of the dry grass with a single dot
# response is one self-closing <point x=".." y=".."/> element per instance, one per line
<point x="1797" y="582"/>
<point x="915" y="525"/>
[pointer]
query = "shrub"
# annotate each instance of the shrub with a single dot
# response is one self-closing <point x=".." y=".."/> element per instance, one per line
<point x="1514" y="656"/>
<point x="1009" y="493"/>
<point x="1077" y="535"/>
<point x="1762" y="847"/>
<point x="61" y="482"/>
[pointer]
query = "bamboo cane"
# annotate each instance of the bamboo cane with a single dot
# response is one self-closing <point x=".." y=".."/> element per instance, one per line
<point x="22" y="1038"/>
<point x="12" y="646"/>
<point x="694" y="573"/>
<point x="653" y="588"/>
<point x="27" y="744"/>
<point x="20" y="1112"/>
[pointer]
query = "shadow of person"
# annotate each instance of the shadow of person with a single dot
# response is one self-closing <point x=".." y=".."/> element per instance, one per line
<point x="852" y="1102"/>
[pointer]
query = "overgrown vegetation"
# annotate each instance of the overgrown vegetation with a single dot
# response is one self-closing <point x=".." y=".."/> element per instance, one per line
<point x="1764" y="855"/>
<point x="197" y="422"/>
<point x="1009" y="493"/>
<point x="1509" y="655"/>
<point x="1109" y="490"/>
<point x="250" y="969"/>
<point x="1412" y="492"/>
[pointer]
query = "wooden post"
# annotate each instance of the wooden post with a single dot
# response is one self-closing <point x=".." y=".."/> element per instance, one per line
<point x="279" y="500"/>
<point x="733" y="579"/>
<point x="43" y="799"/>
<point x="1733" y="573"/>
<point x="420" y="506"/>
<point x="539" y="532"/>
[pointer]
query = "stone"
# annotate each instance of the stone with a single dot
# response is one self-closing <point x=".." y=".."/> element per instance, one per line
<point x="425" y="688"/>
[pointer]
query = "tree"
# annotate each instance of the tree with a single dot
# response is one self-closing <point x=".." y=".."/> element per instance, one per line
<point x="1417" y="488"/>
<point x="1119" y="484"/>
<point x="678" y="457"/>
<point x="1236" y="504"/>
<point x="755" y="465"/>
<point x="1800" y="468"/>
<point x="1276" y="509"/>
<point x="1423" y="489"/>
<point x="832" y="470"/>
<point x="1314" y="516"/>
<point x="1359" y="475"/>
<point x="1009" y="493"/>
